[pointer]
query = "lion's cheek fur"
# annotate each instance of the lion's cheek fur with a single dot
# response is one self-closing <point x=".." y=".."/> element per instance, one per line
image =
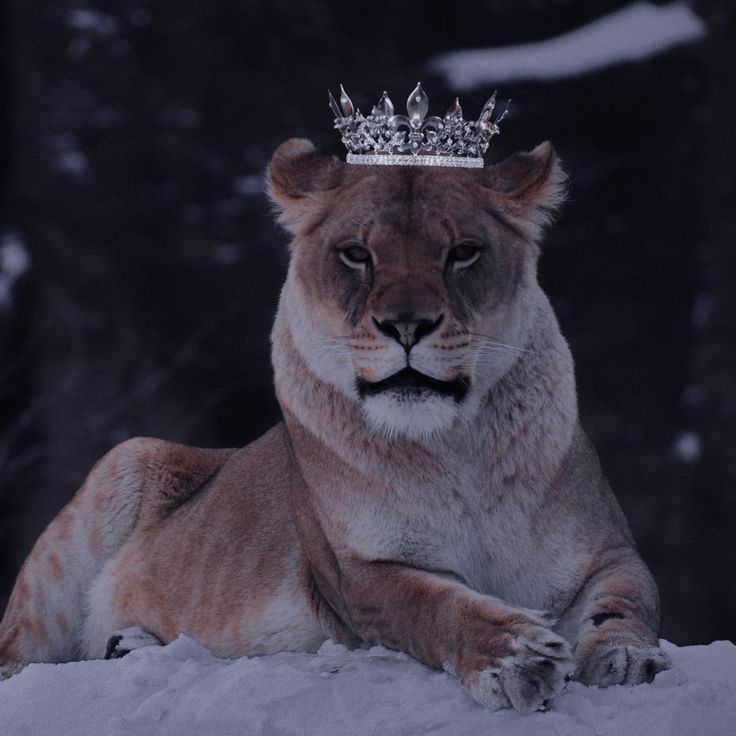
<point x="305" y="330"/>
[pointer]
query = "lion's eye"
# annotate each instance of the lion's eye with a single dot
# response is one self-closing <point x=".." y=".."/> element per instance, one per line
<point x="463" y="254"/>
<point x="355" y="256"/>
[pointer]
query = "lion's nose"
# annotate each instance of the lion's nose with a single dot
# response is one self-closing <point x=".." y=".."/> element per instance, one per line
<point x="407" y="329"/>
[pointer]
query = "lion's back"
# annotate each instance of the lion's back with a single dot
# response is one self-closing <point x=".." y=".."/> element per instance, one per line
<point x="160" y="475"/>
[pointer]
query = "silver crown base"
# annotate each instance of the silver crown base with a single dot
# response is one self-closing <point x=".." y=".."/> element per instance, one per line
<point x="410" y="159"/>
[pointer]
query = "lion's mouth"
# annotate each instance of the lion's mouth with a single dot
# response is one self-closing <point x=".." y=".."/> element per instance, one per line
<point x="410" y="381"/>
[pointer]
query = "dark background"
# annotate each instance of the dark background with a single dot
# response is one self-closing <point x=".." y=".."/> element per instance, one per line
<point x="134" y="141"/>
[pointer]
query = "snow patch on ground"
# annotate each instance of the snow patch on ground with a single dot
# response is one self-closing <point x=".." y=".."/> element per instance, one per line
<point x="633" y="33"/>
<point x="183" y="690"/>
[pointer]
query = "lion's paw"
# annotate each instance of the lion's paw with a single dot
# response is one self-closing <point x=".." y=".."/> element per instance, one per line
<point x="124" y="641"/>
<point x="535" y="671"/>
<point x="623" y="664"/>
<point x="10" y="669"/>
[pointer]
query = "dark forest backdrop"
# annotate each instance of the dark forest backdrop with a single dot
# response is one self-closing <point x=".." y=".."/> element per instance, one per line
<point x="140" y="268"/>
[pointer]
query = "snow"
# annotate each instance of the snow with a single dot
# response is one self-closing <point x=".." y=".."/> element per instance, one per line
<point x="92" y="21"/>
<point x="633" y="33"/>
<point x="702" y="311"/>
<point x="66" y="155"/>
<point x="250" y="186"/>
<point x="687" y="447"/>
<point x="14" y="262"/>
<point x="72" y="162"/>
<point x="183" y="690"/>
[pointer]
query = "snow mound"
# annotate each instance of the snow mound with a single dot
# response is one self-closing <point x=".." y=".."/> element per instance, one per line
<point x="183" y="690"/>
<point x="633" y="33"/>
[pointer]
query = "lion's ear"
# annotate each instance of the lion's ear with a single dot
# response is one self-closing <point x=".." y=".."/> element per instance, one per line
<point x="297" y="176"/>
<point x="532" y="185"/>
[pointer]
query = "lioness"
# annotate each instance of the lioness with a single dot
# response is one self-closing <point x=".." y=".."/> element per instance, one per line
<point x="429" y="489"/>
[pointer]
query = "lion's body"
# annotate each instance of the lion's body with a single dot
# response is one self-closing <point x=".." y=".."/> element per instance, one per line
<point x="463" y="518"/>
<point x="202" y="543"/>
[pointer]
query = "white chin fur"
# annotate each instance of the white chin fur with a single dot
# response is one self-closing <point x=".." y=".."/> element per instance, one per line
<point x="394" y="413"/>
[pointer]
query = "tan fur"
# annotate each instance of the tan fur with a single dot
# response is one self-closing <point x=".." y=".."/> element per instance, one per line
<point x="469" y="526"/>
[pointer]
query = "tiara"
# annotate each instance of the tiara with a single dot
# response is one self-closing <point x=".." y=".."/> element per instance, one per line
<point x="414" y="139"/>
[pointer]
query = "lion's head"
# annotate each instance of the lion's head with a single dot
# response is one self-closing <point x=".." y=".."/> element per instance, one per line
<point x="412" y="289"/>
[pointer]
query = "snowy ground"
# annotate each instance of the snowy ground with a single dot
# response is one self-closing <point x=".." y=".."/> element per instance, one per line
<point x="183" y="690"/>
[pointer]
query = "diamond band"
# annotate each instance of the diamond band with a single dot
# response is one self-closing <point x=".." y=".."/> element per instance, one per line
<point x="388" y="159"/>
<point x="383" y="138"/>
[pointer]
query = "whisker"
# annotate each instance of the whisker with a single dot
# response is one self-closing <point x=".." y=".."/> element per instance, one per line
<point x="503" y="346"/>
<point x="494" y="342"/>
<point x="481" y="350"/>
<point x="328" y="348"/>
<point x="493" y="354"/>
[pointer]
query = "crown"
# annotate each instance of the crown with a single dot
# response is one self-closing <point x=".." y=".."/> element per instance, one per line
<point x="414" y="139"/>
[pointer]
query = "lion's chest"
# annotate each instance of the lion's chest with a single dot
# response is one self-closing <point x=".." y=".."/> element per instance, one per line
<point x="497" y="540"/>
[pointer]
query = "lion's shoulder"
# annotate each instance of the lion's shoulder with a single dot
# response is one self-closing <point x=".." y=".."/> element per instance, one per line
<point x="160" y="475"/>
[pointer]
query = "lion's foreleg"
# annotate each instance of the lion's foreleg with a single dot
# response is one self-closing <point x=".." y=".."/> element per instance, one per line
<point x="617" y="623"/>
<point x="505" y="656"/>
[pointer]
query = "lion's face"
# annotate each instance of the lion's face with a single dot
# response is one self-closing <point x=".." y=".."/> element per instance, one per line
<point x="409" y="288"/>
